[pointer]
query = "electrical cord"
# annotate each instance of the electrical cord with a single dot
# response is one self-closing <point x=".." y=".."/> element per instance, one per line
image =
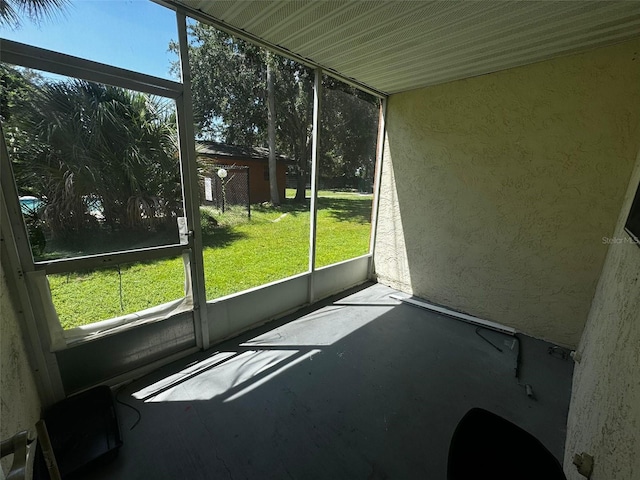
<point x="519" y="356"/>
<point x="487" y="340"/>
<point x="135" y="424"/>
<point x="528" y="388"/>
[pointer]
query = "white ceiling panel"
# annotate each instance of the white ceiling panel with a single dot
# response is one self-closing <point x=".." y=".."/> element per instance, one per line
<point x="393" y="46"/>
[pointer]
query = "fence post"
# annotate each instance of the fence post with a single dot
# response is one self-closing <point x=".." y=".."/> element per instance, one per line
<point x="248" y="194"/>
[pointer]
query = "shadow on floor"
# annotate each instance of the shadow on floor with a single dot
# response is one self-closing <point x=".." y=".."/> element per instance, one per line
<point x="361" y="388"/>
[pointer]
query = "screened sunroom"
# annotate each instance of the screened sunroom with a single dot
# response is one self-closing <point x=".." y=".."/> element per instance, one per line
<point x="459" y="176"/>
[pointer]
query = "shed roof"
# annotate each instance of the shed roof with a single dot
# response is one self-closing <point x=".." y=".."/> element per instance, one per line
<point x="223" y="150"/>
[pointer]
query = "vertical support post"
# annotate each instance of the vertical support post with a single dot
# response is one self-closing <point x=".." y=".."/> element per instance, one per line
<point x="274" y="192"/>
<point x="224" y="193"/>
<point x="377" y="182"/>
<point x="315" y="153"/>
<point x="190" y="188"/>
<point x="16" y="261"/>
<point x="248" y="194"/>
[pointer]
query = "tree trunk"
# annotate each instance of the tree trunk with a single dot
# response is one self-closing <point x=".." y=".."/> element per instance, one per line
<point x="271" y="128"/>
<point x="301" y="186"/>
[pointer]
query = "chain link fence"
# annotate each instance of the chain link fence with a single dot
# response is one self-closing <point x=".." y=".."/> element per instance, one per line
<point x="223" y="186"/>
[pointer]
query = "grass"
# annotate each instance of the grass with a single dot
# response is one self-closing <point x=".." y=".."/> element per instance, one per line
<point x="85" y="297"/>
<point x="343" y="227"/>
<point x="238" y="254"/>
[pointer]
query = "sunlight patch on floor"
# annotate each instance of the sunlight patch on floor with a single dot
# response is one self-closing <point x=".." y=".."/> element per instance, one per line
<point x="226" y="374"/>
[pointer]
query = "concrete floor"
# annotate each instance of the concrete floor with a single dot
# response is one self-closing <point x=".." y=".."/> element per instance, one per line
<point x="358" y="387"/>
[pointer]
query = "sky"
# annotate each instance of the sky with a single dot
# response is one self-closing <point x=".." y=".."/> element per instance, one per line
<point x="132" y="34"/>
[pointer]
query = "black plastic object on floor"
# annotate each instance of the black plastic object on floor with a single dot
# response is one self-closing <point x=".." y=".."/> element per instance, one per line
<point x="485" y="445"/>
<point x="84" y="433"/>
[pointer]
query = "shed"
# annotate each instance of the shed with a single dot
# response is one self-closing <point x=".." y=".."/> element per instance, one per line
<point x="255" y="158"/>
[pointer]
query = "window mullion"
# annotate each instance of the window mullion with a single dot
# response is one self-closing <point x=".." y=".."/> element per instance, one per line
<point x="17" y="53"/>
<point x="103" y="260"/>
<point x="315" y="150"/>
<point x="190" y="187"/>
<point x="378" y="181"/>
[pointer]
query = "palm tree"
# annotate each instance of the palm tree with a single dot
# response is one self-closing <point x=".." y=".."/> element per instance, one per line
<point x="80" y="146"/>
<point x="11" y="11"/>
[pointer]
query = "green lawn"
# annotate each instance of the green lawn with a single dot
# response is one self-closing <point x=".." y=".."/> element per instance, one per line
<point x="238" y="254"/>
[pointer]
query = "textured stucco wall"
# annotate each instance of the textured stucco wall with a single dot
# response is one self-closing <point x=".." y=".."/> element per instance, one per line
<point x="19" y="401"/>
<point x="497" y="190"/>
<point x="604" y="416"/>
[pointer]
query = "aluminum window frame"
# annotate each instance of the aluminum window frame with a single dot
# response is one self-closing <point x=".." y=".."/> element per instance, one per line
<point x="180" y="92"/>
<point x="28" y="56"/>
<point x="38" y="58"/>
<point x="193" y="13"/>
<point x="23" y="55"/>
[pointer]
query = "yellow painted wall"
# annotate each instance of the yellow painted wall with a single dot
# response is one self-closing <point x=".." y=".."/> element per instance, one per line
<point x="604" y="416"/>
<point x="497" y="190"/>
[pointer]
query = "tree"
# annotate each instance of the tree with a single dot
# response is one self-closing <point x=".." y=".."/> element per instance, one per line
<point x="349" y="133"/>
<point x="36" y="11"/>
<point x="230" y="96"/>
<point x="80" y="145"/>
<point x="17" y="89"/>
<point x="271" y="130"/>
